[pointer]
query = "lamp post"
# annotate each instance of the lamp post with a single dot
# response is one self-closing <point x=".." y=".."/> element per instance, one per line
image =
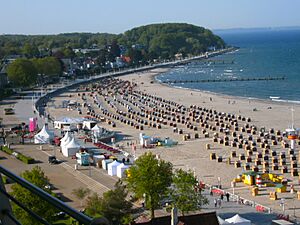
<point x="219" y="182"/>
<point x="90" y="169"/>
<point x="282" y="204"/>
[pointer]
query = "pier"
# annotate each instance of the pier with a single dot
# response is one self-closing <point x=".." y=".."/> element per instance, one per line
<point x="218" y="61"/>
<point x="224" y="80"/>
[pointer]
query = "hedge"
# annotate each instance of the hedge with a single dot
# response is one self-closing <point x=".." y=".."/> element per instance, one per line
<point x="19" y="156"/>
<point x="6" y="149"/>
<point x="4" y="179"/>
<point x="25" y="159"/>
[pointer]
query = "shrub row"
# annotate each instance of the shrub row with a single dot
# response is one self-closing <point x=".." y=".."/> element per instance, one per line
<point x="25" y="159"/>
<point x="4" y="179"/>
<point x="6" y="149"/>
<point x="19" y="156"/>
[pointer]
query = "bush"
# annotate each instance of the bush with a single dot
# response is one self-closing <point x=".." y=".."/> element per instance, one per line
<point x="4" y="179"/>
<point x="25" y="159"/>
<point x="19" y="156"/>
<point x="7" y="150"/>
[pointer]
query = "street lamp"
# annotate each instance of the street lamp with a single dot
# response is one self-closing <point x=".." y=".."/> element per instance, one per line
<point x="219" y="182"/>
<point x="90" y="169"/>
<point x="282" y="204"/>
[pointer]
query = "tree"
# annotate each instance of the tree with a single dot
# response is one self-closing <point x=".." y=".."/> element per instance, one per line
<point x="22" y="72"/>
<point x="115" y="49"/>
<point x="81" y="193"/>
<point x="30" y="51"/>
<point x="51" y="66"/>
<point x="151" y="178"/>
<point x="135" y="55"/>
<point x="93" y="206"/>
<point x="37" y="177"/>
<point x="113" y="205"/>
<point x="68" y="53"/>
<point x="185" y="192"/>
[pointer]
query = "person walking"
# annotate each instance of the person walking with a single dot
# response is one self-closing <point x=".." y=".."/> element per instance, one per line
<point x="227" y="196"/>
<point x="216" y="202"/>
<point x="219" y="203"/>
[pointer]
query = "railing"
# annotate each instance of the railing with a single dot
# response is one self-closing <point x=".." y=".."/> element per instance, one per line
<point x="7" y="217"/>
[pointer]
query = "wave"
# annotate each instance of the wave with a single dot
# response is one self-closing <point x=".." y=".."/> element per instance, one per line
<point x="286" y="101"/>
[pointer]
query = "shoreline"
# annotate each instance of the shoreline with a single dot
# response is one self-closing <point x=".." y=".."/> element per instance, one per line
<point x="249" y="103"/>
<point x="279" y="101"/>
<point x="192" y="154"/>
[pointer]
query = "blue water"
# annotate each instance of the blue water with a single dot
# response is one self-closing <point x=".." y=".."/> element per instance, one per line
<point x="262" y="53"/>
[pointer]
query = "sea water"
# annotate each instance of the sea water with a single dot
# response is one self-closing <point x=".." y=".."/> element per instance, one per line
<point x="262" y="53"/>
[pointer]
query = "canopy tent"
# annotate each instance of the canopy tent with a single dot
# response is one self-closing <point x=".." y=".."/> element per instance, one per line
<point x="97" y="131"/>
<point x="45" y="136"/>
<point x="112" y="168"/>
<point x="67" y="123"/>
<point x="238" y="220"/>
<point x="65" y="141"/>
<point x="71" y="148"/>
<point x="221" y="221"/>
<point x="105" y="163"/>
<point x="67" y="135"/>
<point x="121" y="170"/>
<point x="89" y="124"/>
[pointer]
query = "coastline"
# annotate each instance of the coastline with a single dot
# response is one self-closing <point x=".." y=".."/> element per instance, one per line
<point x="281" y="111"/>
<point x="192" y="154"/>
<point x="266" y="101"/>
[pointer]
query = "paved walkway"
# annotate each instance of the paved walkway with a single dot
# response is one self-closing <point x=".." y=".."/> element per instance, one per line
<point x="229" y="209"/>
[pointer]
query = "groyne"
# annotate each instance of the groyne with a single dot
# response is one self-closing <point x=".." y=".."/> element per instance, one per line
<point x="223" y="80"/>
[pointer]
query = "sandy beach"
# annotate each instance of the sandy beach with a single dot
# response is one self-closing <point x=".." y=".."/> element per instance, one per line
<point x="192" y="154"/>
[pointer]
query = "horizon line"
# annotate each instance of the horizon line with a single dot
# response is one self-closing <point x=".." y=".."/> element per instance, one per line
<point x="212" y="29"/>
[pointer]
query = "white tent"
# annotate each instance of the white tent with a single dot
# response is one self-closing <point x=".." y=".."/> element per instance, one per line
<point x="68" y="134"/>
<point x="238" y="220"/>
<point x="105" y="163"/>
<point x="221" y="221"/>
<point x="89" y="124"/>
<point x="97" y="131"/>
<point x="98" y="158"/>
<point x="65" y="142"/>
<point x="112" y="168"/>
<point x="44" y="136"/>
<point x="71" y="148"/>
<point x="67" y="124"/>
<point x="121" y="170"/>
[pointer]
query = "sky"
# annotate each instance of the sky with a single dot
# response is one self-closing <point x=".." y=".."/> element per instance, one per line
<point x="108" y="16"/>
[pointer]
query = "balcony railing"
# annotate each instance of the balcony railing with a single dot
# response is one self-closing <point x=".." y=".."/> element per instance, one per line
<point x="7" y="217"/>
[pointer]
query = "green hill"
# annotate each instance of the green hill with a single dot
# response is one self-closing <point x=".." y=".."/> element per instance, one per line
<point x="146" y="42"/>
<point x="167" y="39"/>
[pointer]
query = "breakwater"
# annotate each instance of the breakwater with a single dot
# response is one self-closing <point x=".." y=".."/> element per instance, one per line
<point x="223" y="80"/>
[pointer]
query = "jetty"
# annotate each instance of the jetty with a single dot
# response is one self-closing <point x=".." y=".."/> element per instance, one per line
<point x="224" y="80"/>
<point x="218" y="61"/>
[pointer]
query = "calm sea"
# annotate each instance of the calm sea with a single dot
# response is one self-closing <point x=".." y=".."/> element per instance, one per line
<point x="262" y="53"/>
